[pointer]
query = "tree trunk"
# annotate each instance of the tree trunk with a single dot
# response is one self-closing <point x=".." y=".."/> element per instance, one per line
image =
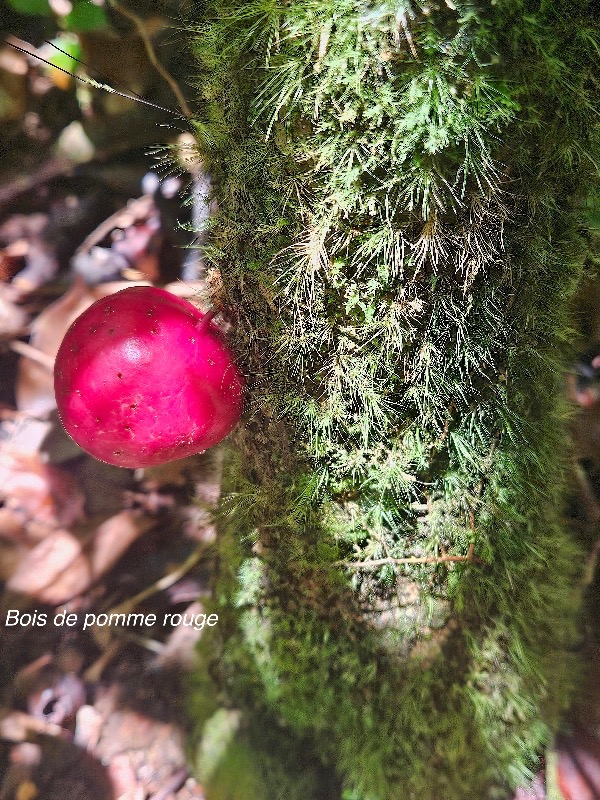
<point x="400" y="196"/>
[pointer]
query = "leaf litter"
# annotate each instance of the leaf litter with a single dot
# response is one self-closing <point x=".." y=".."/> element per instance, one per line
<point x="94" y="713"/>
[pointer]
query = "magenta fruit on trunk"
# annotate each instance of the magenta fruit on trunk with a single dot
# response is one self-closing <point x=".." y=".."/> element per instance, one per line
<point x="142" y="378"/>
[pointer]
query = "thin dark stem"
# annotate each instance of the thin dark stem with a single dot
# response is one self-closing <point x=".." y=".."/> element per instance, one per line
<point x="164" y="73"/>
<point x="206" y="319"/>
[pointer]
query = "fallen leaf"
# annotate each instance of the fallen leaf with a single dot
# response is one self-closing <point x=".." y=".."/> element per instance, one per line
<point x="60" y="567"/>
<point x="68" y="500"/>
<point x="13" y="318"/>
<point x="123" y="779"/>
<point x="26" y="753"/>
<point x="99" y="265"/>
<point x="12" y="524"/>
<point x="11" y="555"/>
<point x="180" y="647"/>
<point x="53" y="570"/>
<point x="35" y="384"/>
<point x="41" y="265"/>
<point x="114" y="537"/>
<point x="23" y="434"/>
<point x="88" y="725"/>
<point x="60" y="701"/>
<point x="27" y="791"/>
<point x="42" y="495"/>
<point x="16" y="726"/>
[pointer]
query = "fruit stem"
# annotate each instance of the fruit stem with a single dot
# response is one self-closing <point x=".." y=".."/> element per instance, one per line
<point x="206" y="319"/>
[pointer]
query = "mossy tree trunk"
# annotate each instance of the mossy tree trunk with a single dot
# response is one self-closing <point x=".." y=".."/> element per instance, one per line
<point x="400" y="189"/>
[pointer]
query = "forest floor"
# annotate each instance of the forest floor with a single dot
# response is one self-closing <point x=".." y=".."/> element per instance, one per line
<point x="90" y="710"/>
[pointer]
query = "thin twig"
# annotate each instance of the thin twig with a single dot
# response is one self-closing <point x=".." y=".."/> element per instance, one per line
<point x="94" y="672"/>
<point x="139" y="24"/>
<point x="91" y="81"/>
<point x="163" y="583"/>
<point x="381" y="562"/>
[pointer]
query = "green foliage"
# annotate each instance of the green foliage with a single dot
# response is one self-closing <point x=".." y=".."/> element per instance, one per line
<point x="66" y="52"/>
<point x="32" y="7"/>
<point x="84" y="16"/>
<point x="401" y="192"/>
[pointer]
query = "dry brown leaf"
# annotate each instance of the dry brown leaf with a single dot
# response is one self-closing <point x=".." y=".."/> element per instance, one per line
<point x="22" y="228"/>
<point x="55" y="567"/>
<point x="68" y="499"/>
<point x="35" y="384"/>
<point x="114" y="537"/>
<point x="20" y="433"/>
<point x="41" y="265"/>
<point x="57" y="700"/>
<point x="11" y="555"/>
<point x="124" y="780"/>
<point x="42" y="495"/>
<point x="27" y="753"/>
<point x="27" y="791"/>
<point x="60" y="568"/>
<point x="24" y="487"/>
<point x="88" y="725"/>
<point x="13" y="318"/>
<point x="12" y="524"/>
<point x="16" y="726"/>
<point x="180" y="647"/>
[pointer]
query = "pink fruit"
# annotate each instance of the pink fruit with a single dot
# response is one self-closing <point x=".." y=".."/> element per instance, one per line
<point x="142" y="378"/>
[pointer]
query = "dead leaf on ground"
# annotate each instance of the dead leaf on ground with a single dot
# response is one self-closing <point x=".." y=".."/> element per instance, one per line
<point x="41" y="265"/>
<point x="23" y="434"/>
<point x="11" y="554"/>
<point x="35" y="384"/>
<point x="154" y="750"/>
<point x="64" y="772"/>
<point x="123" y="779"/>
<point x="180" y="647"/>
<point x="22" y="227"/>
<point x="59" y="701"/>
<point x="54" y="568"/>
<point x="42" y="496"/>
<point x="17" y="726"/>
<point x="60" y="567"/>
<point x="114" y="537"/>
<point x="13" y="318"/>
<point x="12" y="524"/>
<point x="88" y="725"/>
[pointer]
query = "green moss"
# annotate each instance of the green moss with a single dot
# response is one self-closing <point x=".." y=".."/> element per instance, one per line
<point x="401" y="194"/>
<point x="238" y="777"/>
